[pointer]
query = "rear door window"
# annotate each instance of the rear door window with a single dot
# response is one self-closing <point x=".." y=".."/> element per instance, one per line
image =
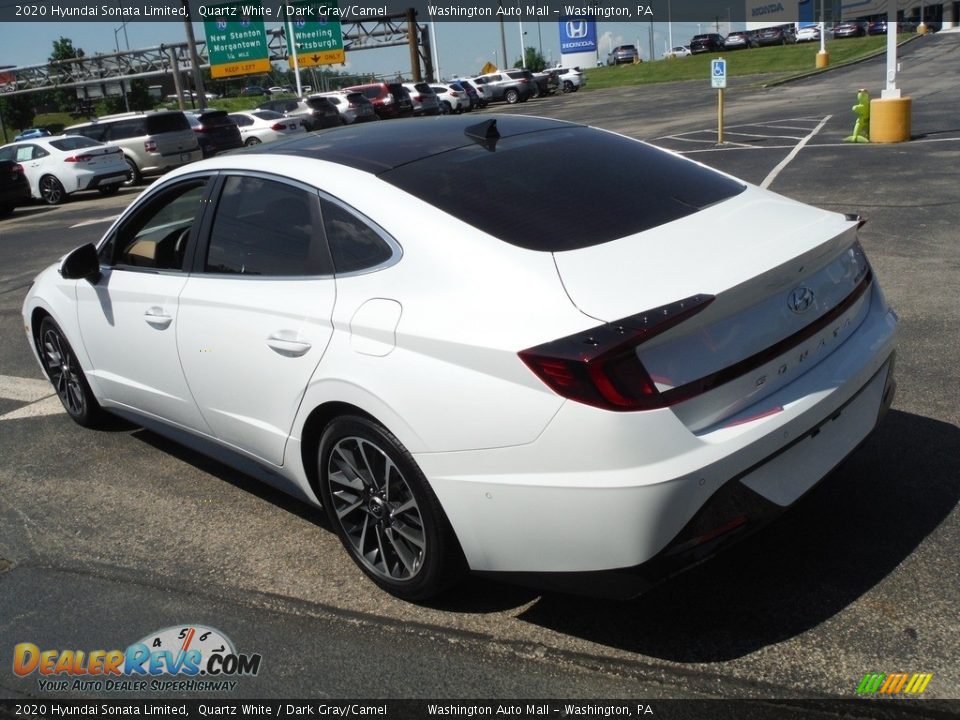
<point x="123" y="129"/>
<point x="265" y="227"/>
<point x="356" y="245"/>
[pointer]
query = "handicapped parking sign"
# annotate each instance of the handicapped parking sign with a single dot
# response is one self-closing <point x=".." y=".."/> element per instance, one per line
<point x="718" y="73"/>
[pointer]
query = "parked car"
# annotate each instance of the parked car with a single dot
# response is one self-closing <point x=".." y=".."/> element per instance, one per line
<point x="352" y="106"/>
<point x="501" y="87"/>
<point x="451" y="100"/>
<point x="571" y="79"/>
<point x="215" y="131"/>
<point x="14" y="186"/>
<point x="738" y="40"/>
<point x="877" y="27"/>
<point x="460" y="393"/>
<point x="848" y="30"/>
<point x="810" y="33"/>
<point x="314" y="113"/>
<point x="708" y="42"/>
<point x="424" y="99"/>
<point x="475" y="91"/>
<point x="543" y="83"/>
<point x="472" y="95"/>
<point x="254" y="90"/>
<point x="152" y="142"/>
<point x="31" y="133"/>
<point x="623" y="54"/>
<point x="263" y="126"/>
<point x="59" y="165"/>
<point x="678" y="51"/>
<point x="781" y="35"/>
<point x="389" y="100"/>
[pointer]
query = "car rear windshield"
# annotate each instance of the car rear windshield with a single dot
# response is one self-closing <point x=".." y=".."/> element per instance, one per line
<point x="216" y="117"/>
<point x="74" y="143"/>
<point x="424" y="88"/>
<point x="610" y="187"/>
<point x="266" y="114"/>
<point x="318" y="103"/>
<point x="166" y="122"/>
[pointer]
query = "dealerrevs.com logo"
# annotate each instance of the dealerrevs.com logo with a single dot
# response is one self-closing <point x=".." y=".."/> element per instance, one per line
<point x="894" y="683"/>
<point x="183" y="658"/>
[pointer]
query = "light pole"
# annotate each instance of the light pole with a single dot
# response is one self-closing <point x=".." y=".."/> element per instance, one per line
<point x="116" y="42"/>
<point x="436" y="55"/>
<point x="670" y="26"/>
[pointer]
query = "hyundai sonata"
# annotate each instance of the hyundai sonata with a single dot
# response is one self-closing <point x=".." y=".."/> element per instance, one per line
<point x="380" y="320"/>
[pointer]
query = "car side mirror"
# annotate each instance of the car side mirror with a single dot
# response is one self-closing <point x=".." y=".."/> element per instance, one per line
<point x="82" y="264"/>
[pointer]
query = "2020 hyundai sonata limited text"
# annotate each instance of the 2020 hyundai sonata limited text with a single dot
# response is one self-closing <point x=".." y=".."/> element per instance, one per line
<point x="382" y="321"/>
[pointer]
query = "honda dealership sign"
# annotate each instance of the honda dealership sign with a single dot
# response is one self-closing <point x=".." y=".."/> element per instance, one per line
<point x="578" y="35"/>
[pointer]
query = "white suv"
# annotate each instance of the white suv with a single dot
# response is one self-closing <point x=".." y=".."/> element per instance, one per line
<point x="571" y="79"/>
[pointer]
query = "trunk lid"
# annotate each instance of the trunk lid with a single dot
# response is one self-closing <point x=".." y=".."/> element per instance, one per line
<point x="788" y="285"/>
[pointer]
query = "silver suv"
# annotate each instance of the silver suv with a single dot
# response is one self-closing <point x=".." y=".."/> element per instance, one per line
<point x="152" y="142"/>
<point x="623" y="54"/>
<point x="500" y="86"/>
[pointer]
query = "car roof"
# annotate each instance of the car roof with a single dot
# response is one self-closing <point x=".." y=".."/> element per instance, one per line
<point x="379" y="147"/>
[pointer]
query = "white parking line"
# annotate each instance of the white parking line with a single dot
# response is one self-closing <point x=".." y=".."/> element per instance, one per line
<point x="38" y="394"/>
<point x="24" y="389"/>
<point x="94" y="222"/>
<point x="41" y="408"/>
<point x="792" y="154"/>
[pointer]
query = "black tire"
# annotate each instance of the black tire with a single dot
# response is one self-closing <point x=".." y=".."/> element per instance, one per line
<point x="135" y="177"/>
<point x="568" y="86"/>
<point x="384" y="512"/>
<point x="65" y="374"/>
<point x="252" y="141"/>
<point x="445" y="108"/>
<point x="511" y="96"/>
<point x="107" y="190"/>
<point x="51" y="190"/>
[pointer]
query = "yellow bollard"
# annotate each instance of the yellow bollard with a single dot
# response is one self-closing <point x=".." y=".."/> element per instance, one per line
<point x="890" y="120"/>
<point x="823" y="59"/>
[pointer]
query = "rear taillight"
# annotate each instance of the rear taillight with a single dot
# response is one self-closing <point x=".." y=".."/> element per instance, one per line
<point x="18" y="169"/>
<point x="455" y="93"/>
<point x="150" y="145"/>
<point x="278" y="126"/>
<point x="600" y="366"/>
<point x="416" y="98"/>
<point x="78" y="158"/>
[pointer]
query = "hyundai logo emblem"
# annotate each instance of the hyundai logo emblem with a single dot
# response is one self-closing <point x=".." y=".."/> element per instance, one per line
<point x="576" y="29"/>
<point x="800" y="300"/>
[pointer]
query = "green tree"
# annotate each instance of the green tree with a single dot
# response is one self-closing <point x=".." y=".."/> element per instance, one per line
<point x="533" y="60"/>
<point x="63" y="49"/>
<point x="18" y="112"/>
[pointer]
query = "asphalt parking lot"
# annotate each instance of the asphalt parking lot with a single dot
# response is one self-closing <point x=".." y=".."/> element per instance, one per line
<point x="108" y="536"/>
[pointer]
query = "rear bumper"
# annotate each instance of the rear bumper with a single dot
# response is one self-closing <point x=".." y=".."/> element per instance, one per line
<point x="15" y="194"/>
<point x="732" y="514"/>
<point x="602" y="492"/>
<point x="103" y="179"/>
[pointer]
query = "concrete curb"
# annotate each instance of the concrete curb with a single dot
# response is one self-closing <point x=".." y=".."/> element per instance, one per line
<point x="812" y="73"/>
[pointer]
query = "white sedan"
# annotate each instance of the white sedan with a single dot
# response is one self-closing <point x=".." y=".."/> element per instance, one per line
<point x="591" y="395"/>
<point x="263" y="126"/>
<point x="61" y="165"/>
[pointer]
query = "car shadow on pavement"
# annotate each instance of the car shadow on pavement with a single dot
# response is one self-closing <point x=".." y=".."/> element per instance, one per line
<point x="836" y="544"/>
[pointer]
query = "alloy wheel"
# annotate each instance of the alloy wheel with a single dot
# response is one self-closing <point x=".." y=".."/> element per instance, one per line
<point x="63" y="371"/>
<point x="376" y="508"/>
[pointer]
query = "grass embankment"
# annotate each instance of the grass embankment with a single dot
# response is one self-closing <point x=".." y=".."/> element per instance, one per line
<point x="775" y="60"/>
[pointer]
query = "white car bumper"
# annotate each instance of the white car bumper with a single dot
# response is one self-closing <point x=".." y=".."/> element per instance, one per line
<point x="603" y="491"/>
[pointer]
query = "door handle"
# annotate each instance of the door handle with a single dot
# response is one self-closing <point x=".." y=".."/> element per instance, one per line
<point x="282" y="343"/>
<point x="156" y="317"/>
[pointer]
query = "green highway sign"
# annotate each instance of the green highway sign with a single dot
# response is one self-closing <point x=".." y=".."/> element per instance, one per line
<point x="317" y="33"/>
<point x="238" y="45"/>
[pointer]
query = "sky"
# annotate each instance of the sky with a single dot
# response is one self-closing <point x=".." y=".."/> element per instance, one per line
<point x="463" y="47"/>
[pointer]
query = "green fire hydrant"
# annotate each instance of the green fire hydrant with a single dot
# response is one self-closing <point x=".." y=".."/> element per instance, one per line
<point x="861" y="129"/>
